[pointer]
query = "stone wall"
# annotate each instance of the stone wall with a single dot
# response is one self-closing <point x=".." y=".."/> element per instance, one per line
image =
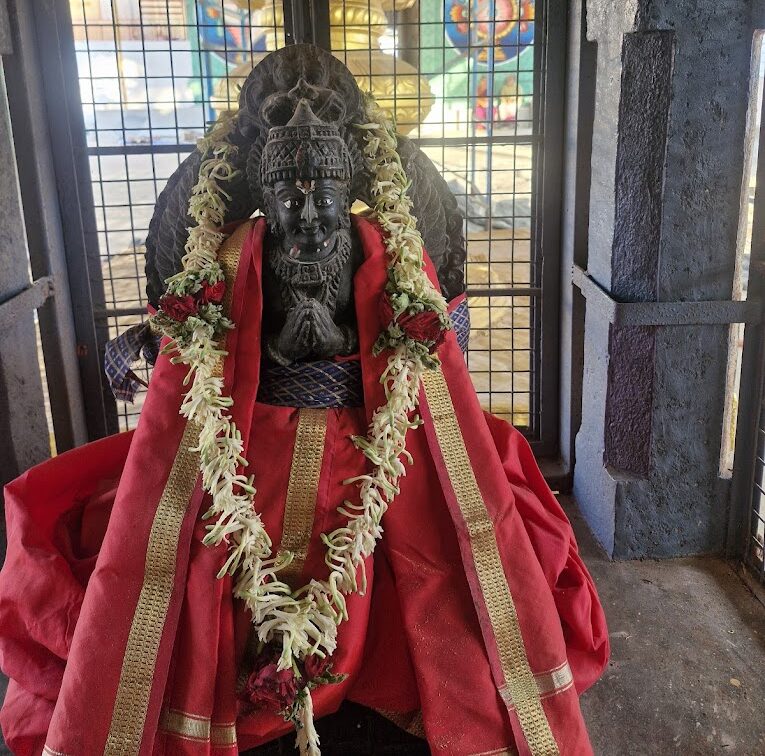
<point x="667" y="161"/>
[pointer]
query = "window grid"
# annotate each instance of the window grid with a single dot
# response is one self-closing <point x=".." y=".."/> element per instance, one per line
<point x="153" y="73"/>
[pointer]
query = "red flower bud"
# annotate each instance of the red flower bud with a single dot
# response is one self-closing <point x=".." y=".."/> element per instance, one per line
<point x="178" y="308"/>
<point x="315" y="666"/>
<point x="422" y="326"/>
<point x="269" y="687"/>
<point x="212" y="293"/>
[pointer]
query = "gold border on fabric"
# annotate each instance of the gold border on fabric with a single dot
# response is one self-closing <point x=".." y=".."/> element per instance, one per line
<point x="228" y="257"/>
<point x="300" y="506"/>
<point x="222" y="735"/>
<point x="48" y="751"/>
<point x="192" y="727"/>
<point x="139" y="662"/>
<point x="188" y="726"/>
<point x="555" y="681"/>
<point x="520" y="689"/>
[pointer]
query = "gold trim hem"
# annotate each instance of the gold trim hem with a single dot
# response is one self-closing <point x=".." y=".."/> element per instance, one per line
<point x="305" y="473"/>
<point x="140" y="658"/>
<point x="520" y="689"/>
<point x="199" y="729"/>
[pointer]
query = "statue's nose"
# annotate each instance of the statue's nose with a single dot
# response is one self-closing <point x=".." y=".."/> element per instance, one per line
<point x="308" y="213"/>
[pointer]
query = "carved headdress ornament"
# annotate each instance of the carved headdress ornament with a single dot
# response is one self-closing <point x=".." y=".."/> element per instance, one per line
<point x="305" y="148"/>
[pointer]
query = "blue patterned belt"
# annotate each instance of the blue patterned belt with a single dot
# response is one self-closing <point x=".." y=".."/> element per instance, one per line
<point x="323" y="383"/>
<point x="326" y="383"/>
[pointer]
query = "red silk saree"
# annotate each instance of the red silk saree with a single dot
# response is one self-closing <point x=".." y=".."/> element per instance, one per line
<point x="479" y="628"/>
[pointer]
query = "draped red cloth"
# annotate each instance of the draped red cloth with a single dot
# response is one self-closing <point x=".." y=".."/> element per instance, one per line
<point x="423" y="638"/>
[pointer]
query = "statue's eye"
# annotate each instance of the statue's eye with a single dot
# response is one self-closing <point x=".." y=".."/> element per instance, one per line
<point x="290" y="204"/>
<point x="324" y="202"/>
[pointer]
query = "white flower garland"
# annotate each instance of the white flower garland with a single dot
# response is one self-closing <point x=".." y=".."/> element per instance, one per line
<point x="303" y="622"/>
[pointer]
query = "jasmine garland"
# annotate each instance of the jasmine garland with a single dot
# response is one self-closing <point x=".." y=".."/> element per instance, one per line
<point x="300" y="624"/>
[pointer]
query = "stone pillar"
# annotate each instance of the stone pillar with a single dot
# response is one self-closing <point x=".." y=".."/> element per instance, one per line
<point x="667" y="161"/>
<point x="24" y="437"/>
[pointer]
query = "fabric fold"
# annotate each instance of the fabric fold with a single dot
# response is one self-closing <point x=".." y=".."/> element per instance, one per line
<point x="429" y="645"/>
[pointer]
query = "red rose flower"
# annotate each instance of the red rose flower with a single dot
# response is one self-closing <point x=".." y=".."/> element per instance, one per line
<point x="178" y="308"/>
<point x="315" y="666"/>
<point x="386" y="309"/>
<point x="422" y="326"/>
<point x="212" y="293"/>
<point x="268" y="687"/>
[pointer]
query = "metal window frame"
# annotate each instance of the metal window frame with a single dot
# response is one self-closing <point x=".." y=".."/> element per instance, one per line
<point x="305" y="21"/>
<point x="551" y="36"/>
<point x="64" y="232"/>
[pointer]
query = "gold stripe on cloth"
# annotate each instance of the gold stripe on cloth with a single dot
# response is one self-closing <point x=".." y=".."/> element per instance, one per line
<point x="228" y="257"/>
<point x="197" y="728"/>
<point x="300" y="507"/>
<point x="520" y="689"/>
<point x="139" y="662"/>
<point x="555" y="681"/>
<point x="132" y="700"/>
<point x="222" y="735"/>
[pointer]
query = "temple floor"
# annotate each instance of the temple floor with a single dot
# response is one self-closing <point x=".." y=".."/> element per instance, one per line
<point x="687" y="671"/>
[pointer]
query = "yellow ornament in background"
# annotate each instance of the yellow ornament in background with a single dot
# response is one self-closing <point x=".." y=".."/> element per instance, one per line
<point x="356" y="27"/>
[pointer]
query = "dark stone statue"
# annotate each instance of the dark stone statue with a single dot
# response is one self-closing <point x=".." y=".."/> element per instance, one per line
<point x="301" y="165"/>
<point x="311" y="257"/>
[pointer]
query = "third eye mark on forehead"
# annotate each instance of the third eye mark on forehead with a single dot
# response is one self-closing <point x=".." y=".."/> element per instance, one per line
<point x="300" y="188"/>
<point x="323" y="196"/>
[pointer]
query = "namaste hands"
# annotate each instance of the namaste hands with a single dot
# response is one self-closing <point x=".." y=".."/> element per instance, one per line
<point x="309" y="331"/>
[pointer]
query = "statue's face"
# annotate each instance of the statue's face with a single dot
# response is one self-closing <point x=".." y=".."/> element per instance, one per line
<point x="310" y="211"/>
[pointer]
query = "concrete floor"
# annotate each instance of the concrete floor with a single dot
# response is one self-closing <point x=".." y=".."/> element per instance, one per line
<point x="687" y="671"/>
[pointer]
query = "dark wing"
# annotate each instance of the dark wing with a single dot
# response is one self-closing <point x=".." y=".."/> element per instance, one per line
<point x="168" y="229"/>
<point x="439" y="220"/>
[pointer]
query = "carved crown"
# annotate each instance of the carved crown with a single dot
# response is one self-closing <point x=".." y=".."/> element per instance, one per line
<point x="305" y="148"/>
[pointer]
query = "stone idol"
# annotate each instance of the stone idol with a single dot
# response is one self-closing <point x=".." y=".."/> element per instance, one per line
<point x="315" y="537"/>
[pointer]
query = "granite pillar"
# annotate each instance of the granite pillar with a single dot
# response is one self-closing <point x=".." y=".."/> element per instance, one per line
<point x="667" y="162"/>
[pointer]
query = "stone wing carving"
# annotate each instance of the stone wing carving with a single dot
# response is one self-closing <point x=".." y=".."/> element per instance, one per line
<point x="439" y="219"/>
<point x="169" y="226"/>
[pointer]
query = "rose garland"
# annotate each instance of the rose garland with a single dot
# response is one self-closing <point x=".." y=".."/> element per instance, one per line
<point x="297" y="630"/>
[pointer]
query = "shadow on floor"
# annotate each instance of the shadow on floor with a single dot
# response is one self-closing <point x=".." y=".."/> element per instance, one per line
<point x="687" y="670"/>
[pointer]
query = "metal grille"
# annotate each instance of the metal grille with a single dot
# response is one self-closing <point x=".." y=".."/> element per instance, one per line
<point x="466" y="78"/>
<point x="152" y="74"/>
<point x="756" y="545"/>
